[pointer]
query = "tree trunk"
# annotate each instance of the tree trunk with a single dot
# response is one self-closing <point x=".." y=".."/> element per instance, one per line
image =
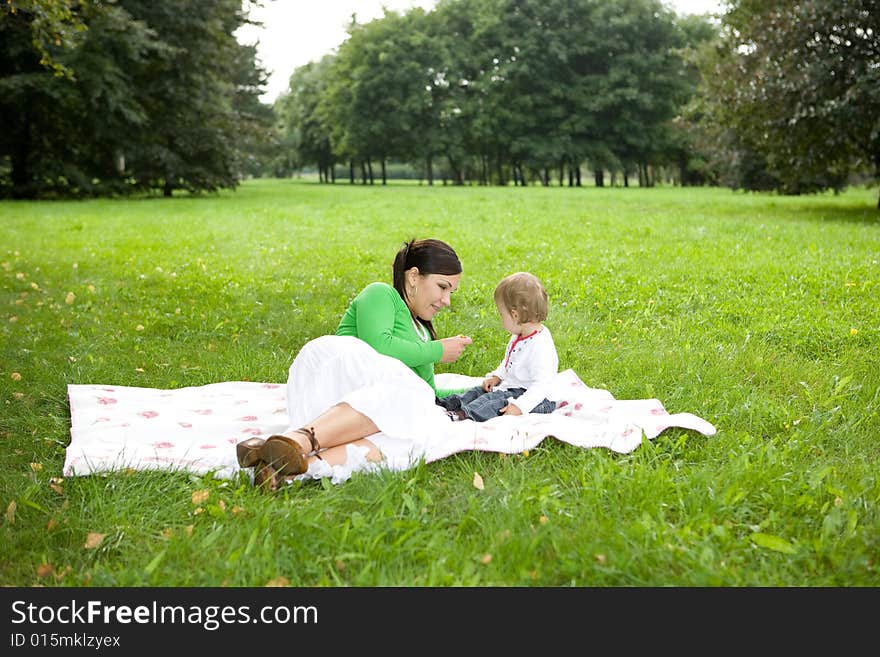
<point x="599" y="177"/>
<point x="370" y="170"/>
<point x="20" y="173"/>
<point x="457" y="177"/>
<point x="351" y="171"/>
<point x="168" y="189"/>
<point x="429" y="170"/>
<point x="384" y="176"/>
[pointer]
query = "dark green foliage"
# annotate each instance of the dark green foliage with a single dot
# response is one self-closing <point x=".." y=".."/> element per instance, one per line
<point x="155" y="96"/>
<point x="796" y="85"/>
<point x="494" y="91"/>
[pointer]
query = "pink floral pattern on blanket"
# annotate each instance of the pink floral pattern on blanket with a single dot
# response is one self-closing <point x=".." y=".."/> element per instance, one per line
<point x="189" y="429"/>
<point x="192" y="429"/>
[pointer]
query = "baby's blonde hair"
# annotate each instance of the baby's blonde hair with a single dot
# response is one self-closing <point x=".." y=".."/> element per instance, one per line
<point x="525" y="294"/>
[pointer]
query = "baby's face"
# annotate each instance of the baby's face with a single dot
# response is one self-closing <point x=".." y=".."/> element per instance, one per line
<point x="508" y="321"/>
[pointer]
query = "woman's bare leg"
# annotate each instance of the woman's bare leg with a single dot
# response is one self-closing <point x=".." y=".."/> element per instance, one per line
<point x="337" y="455"/>
<point x="338" y="426"/>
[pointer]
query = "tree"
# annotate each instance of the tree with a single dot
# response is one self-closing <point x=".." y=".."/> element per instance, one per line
<point x="51" y="24"/>
<point x="308" y="136"/>
<point x="67" y="110"/>
<point x="799" y="83"/>
<point x="189" y="140"/>
<point x="138" y="94"/>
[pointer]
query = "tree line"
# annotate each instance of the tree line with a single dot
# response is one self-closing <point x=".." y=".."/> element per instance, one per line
<point x="502" y="91"/>
<point x="156" y="95"/>
<point x="125" y="96"/>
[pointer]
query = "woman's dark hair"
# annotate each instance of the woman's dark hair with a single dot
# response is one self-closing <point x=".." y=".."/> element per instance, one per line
<point x="431" y="257"/>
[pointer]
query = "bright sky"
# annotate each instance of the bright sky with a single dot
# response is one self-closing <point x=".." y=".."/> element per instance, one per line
<point x="296" y="32"/>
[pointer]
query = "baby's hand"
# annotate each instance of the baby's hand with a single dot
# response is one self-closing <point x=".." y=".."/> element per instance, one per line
<point x="511" y="409"/>
<point x="490" y="382"/>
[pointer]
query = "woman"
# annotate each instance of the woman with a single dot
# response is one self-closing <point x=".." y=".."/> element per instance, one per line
<point x="367" y="395"/>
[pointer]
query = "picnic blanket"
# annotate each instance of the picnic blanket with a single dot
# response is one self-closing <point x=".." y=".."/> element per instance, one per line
<point x="196" y="428"/>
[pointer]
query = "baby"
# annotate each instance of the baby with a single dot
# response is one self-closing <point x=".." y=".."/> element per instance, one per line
<point x="518" y="385"/>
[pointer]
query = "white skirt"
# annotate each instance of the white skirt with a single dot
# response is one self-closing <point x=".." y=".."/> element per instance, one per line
<point x="333" y="369"/>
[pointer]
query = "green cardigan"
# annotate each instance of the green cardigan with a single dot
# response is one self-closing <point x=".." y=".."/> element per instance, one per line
<point x="379" y="317"/>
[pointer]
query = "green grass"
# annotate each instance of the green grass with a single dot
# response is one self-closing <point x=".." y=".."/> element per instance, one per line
<point x="759" y="313"/>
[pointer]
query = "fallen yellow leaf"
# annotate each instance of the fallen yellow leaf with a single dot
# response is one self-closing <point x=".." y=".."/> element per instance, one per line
<point x="15" y="376"/>
<point x="478" y="481"/>
<point x="44" y="570"/>
<point x="93" y="540"/>
<point x="70" y="298"/>
<point x="487" y="558"/>
<point x="36" y="466"/>
<point x="10" y="512"/>
<point x="200" y="496"/>
<point x="278" y="581"/>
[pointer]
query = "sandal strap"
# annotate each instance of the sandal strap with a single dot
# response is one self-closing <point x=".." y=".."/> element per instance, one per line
<point x="309" y="432"/>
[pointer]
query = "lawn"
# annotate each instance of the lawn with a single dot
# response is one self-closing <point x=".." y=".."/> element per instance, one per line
<point x="756" y="312"/>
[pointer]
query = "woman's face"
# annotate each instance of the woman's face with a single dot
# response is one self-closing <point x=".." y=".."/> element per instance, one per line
<point x="429" y="293"/>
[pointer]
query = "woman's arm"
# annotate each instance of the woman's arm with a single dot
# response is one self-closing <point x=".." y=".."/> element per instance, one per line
<point x="382" y="324"/>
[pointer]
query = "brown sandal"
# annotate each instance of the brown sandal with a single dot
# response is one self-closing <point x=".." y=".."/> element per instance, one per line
<point x="276" y="457"/>
<point x="266" y="477"/>
<point x="248" y="451"/>
<point x="309" y="433"/>
<point x="283" y="454"/>
<point x="286" y="455"/>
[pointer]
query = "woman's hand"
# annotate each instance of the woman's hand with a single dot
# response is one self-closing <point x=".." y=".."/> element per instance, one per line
<point x="453" y="348"/>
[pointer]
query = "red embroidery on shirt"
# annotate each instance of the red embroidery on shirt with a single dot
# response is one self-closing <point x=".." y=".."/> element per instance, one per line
<point x="515" y="342"/>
